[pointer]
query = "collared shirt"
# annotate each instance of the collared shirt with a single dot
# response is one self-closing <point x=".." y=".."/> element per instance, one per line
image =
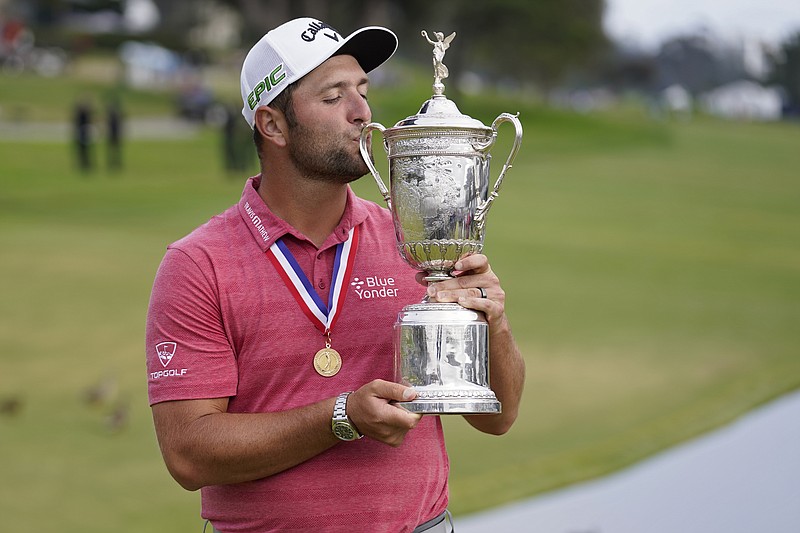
<point x="222" y="323"/>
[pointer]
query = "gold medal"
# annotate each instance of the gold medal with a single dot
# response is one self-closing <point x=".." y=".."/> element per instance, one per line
<point x="327" y="362"/>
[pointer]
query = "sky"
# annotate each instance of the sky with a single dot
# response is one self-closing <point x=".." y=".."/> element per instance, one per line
<point x="649" y="22"/>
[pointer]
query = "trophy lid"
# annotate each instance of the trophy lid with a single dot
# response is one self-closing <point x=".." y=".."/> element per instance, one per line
<point x="439" y="112"/>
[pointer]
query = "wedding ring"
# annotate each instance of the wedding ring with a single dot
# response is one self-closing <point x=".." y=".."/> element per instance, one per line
<point x="483" y="292"/>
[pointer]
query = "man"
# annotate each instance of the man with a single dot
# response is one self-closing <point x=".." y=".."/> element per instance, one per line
<point x="248" y="366"/>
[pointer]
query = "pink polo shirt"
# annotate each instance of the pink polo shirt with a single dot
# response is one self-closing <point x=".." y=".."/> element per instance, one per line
<point x="222" y="323"/>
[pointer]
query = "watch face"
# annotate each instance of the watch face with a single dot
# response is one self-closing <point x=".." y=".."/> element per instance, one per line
<point x="344" y="431"/>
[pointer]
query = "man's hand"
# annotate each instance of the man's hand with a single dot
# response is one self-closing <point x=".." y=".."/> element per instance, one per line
<point x="372" y="411"/>
<point x="475" y="286"/>
<point x="473" y="273"/>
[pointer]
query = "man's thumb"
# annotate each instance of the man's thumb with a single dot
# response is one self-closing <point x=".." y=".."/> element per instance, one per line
<point x="409" y="394"/>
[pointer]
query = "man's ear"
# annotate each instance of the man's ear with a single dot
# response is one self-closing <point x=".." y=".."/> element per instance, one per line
<point x="271" y="123"/>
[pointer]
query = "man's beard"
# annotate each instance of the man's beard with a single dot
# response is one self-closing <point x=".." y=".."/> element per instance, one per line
<point x="321" y="157"/>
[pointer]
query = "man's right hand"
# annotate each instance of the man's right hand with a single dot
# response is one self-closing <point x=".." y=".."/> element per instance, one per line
<point x="372" y="411"/>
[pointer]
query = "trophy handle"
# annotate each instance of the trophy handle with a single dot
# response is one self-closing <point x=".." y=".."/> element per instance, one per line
<point x="480" y="212"/>
<point x="367" y="155"/>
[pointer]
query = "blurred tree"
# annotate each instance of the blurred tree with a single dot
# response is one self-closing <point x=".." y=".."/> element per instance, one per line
<point x="633" y="70"/>
<point x="689" y="61"/>
<point x="699" y="63"/>
<point x="539" y="41"/>
<point x="526" y="40"/>
<point x="261" y="15"/>
<point x="520" y="39"/>
<point x="785" y="71"/>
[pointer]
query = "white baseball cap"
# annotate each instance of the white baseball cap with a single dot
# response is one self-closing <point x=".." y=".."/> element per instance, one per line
<point x="295" y="48"/>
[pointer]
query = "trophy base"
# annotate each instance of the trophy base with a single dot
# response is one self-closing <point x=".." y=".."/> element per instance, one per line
<point x="441" y="351"/>
<point x="453" y="406"/>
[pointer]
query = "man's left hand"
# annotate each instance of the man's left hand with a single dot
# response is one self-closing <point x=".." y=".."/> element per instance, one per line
<point x="475" y="286"/>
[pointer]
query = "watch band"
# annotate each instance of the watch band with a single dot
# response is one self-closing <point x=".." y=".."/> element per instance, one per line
<point x="340" y="424"/>
<point x="340" y="407"/>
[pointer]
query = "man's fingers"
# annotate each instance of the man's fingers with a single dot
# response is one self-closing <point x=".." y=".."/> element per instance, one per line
<point x="392" y="391"/>
<point x="374" y="414"/>
<point x="477" y="262"/>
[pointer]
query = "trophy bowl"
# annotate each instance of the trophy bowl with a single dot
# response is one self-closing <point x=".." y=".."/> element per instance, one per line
<point x="439" y="163"/>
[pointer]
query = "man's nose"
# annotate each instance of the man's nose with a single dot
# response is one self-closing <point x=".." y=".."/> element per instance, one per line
<point x="360" y="110"/>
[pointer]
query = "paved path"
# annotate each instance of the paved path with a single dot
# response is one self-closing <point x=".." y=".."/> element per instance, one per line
<point x="743" y="478"/>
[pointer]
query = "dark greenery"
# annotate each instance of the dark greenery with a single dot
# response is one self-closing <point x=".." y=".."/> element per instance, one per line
<point x="538" y="41"/>
<point x="786" y="71"/>
<point x="520" y="39"/>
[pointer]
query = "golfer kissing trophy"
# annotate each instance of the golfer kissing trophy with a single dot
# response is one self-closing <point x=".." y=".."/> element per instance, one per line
<point x="439" y="177"/>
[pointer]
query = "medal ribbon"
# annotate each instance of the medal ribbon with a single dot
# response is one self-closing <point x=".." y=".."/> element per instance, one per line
<point x="322" y="316"/>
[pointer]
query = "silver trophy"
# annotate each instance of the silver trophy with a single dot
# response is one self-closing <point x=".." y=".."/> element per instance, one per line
<point x="439" y="197"/>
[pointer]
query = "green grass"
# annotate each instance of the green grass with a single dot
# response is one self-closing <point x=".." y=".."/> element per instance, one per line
<point x="655" y="292"/>
<point x="652" y="272"/>
<point x="29" y="97"/>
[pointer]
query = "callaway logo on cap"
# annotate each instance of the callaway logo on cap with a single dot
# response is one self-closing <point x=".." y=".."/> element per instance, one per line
<point x="292" y="50"/>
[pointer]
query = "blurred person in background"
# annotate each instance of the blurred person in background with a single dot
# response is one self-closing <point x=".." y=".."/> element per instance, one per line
<point x="82" y="132"/>
<point x="260" y="392"/>
<point x="237" y="146"/>
<point x="114" y="133"/>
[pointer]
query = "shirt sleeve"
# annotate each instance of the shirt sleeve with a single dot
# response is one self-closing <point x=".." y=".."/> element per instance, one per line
<point x="189" y="355"/>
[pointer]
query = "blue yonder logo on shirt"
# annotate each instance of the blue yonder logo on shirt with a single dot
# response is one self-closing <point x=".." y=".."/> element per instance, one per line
<point x="373" y="287"/>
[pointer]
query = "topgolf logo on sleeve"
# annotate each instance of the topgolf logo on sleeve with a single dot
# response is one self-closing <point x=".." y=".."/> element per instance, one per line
<point x="166" y="351"/>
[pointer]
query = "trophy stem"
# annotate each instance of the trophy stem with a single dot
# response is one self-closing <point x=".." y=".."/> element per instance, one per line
<point x="435" y="277"/>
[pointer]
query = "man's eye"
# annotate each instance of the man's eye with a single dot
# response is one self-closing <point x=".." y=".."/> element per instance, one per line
<point x="332" y="100"/>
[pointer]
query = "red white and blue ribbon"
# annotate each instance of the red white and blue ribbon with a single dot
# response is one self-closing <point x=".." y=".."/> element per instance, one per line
<point x="322" y="316"/>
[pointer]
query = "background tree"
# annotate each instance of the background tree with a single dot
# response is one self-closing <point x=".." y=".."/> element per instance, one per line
<point x="539" y="41"/>
<point x="786" y="72"/>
